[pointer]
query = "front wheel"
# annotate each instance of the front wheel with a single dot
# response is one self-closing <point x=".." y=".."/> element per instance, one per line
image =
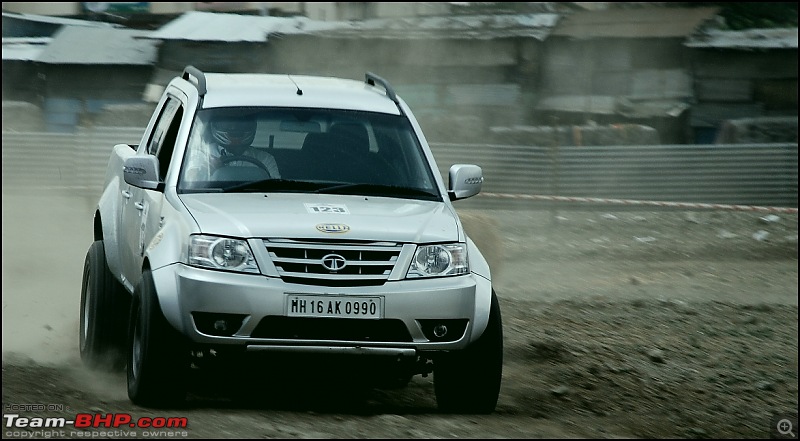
<point x="158" y="361"/>
<point x="468" y="381"/>
<point x="103" y="314"/>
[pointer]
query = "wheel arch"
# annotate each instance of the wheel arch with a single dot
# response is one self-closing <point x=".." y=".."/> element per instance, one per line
<point x="105" y="226"/>
<point x="98" y="226"/>
<point x="166" y="291"/>
<point x="477" y="262"/>
<point x="479" y="268"/>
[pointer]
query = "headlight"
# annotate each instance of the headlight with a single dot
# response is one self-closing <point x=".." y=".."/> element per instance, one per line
<point x="221" y="253"/>
<point x="439" y="260"/>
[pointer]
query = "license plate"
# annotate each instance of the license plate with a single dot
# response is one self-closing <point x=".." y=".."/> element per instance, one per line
<point x="334" y="306"/>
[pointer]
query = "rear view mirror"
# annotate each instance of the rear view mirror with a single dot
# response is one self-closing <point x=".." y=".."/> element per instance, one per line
<point x="142" y="171"/>
<point x="300" y="126"/>
<point x="465" y="181"/>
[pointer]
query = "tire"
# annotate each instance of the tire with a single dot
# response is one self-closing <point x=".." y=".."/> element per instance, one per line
<point x="103" y="314"/>
<point x="468" y="381"/>
<point x="157" y="355"/>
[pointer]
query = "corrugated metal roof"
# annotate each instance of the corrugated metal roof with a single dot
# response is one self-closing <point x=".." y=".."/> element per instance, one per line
<point x="634" y="23"/>
<point x="60" y="20"/>
<point x="749" y="39"/>
<point x="208" y="26"/>
<point x="81" y="45"/>
<point x="24" y="48"/>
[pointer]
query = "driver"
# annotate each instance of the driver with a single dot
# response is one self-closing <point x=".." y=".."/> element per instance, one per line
<point x="231" y="137"/>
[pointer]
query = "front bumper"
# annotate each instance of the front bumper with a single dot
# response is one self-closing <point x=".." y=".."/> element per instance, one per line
<point x="249" y="311"/>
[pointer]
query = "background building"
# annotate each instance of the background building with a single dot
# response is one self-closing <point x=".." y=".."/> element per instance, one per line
<point x="471" y="71"/>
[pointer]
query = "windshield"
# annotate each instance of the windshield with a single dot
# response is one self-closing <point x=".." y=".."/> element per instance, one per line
<point x="305" y="150"/>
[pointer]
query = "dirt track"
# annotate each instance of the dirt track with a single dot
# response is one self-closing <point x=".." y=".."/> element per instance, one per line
<point x="617" y="324"/>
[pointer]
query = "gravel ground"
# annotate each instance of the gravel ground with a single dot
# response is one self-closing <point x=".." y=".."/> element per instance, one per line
<point x="668" y="324"/>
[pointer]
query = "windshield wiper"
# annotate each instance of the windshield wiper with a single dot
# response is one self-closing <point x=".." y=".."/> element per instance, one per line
<point x="377" y="190"/>
<point x="273" y="185"/>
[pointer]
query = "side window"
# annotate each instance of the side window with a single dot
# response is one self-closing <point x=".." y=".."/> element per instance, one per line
<point x="161" y="125"/>
<point x="164" y="153"/>
<point x="162" y="143"/>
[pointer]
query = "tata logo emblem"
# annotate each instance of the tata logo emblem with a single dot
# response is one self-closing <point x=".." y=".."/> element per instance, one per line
<point x="334" y="262"/>
<point x="333" y="228"/>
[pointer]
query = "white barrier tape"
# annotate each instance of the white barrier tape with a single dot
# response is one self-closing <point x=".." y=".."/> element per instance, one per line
<point x="535" y="197"/>
<point x="636" y="202"/>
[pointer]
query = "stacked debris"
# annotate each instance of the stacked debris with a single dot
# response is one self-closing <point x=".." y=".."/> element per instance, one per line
<point x="758" y="130"/>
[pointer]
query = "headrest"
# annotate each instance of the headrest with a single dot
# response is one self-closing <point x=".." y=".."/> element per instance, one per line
<point x="352" y="136"/>
<point x="316" y="142"/>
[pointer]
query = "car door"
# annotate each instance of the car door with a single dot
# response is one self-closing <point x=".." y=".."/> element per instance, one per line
<point x="142" y="211"/>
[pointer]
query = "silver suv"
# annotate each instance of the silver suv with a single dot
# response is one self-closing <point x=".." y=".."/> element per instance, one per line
<point x="286" y="218"/>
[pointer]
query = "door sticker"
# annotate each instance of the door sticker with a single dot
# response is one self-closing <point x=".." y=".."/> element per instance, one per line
<point x="143" y="227"/>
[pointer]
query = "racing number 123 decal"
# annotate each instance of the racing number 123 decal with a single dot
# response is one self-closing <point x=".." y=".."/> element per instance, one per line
<point x="327" y="208"/>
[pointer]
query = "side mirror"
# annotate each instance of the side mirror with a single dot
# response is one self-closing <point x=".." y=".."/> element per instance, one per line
<point x="142" y="171"/>
<point x="465" y="181"/>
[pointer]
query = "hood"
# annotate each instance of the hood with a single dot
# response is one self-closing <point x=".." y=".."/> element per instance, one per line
<point x="320" y="216"/>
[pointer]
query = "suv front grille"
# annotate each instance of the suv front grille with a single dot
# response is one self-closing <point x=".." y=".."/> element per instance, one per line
<point x="305" y="328"/>
<point x="333" y="263"/>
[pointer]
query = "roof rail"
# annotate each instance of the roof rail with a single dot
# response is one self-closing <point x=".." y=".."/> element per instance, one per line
<point x="371" y="79"/>
<point x="199" y="76"/>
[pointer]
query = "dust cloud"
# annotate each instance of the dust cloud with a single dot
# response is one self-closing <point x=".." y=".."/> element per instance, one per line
<point x="45" y="239"/>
